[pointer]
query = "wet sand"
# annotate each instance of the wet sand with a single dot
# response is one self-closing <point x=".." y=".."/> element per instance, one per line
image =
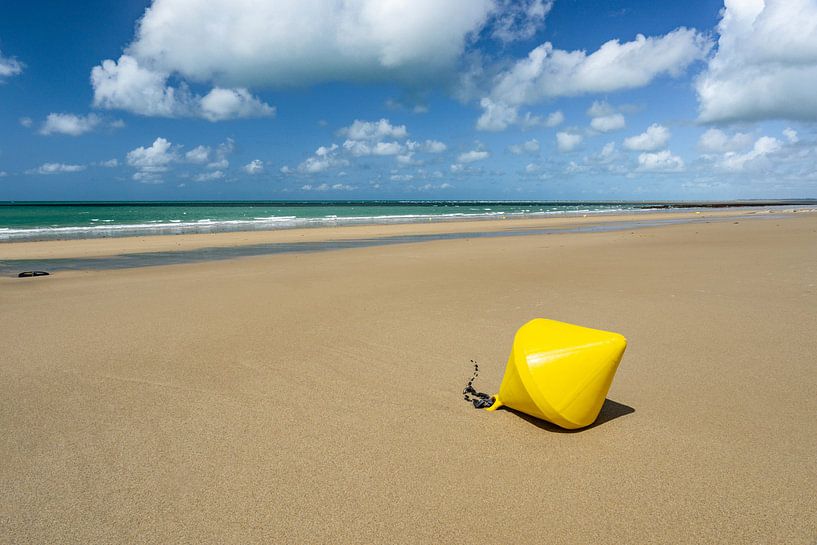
<point x="315" y="397"/>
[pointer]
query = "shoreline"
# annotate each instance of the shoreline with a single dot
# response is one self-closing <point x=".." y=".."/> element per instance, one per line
<point x="111" y="246"/>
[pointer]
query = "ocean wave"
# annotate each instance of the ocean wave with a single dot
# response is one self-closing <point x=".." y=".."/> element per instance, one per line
<point x="98" y="229"/>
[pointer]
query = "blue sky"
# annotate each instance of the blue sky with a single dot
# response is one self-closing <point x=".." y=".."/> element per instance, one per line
<point x="383" y="99"/>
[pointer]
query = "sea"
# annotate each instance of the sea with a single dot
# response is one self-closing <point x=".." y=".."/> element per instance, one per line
<point x="28" y="221"/>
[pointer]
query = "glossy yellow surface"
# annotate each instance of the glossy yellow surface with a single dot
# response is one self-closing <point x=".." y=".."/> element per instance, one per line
<point x="560" y="372"/>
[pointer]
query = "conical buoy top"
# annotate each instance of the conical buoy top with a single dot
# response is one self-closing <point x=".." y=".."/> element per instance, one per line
<point x="560" y="372"/>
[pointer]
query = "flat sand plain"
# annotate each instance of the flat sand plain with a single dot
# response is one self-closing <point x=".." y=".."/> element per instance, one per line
<point x="315" y="397"/>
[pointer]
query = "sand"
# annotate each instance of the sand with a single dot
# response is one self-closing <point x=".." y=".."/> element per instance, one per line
<point x="315" y="398"/>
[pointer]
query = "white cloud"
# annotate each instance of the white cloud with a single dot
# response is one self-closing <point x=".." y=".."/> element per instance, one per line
<point x="662" y="161"/>
<point x="220" y="104"/>
<point x="434" y="146"/>
<point x="549" y="72"/>
<point x="401" y="177"/>
<point x="529" y="146"/>
<point x="373" y="130"/>
<point x="325" y="157"/>
<point x="221" y="163"/>
<point x="734" y="161"/>
<point x="9" y="66"/>
<point x="327" y="187"/>
<point x="360" y="149"/>
<point x="26" y="122"/>
<point x="608" y="123"/>
<point x="202" y="154"/>
<point x="457" y="168"/>
<point x="198" y="155"/>
<point x="473" y="155"/>
<point x="56" y="168"/>
<point x="254" y="167"/>
<point x="208" y="176"/>
<point x="791" y="135"/>
<point x="655" y="137"/>
<point x="152" y="161"/>
<point x="432" y="187"/>
<point x="608" y="150"/>
<point x="517" y="20"/>
<point x="555" y="119"/>
<point x="110" y="163"/>
<point x="70" y="124"/>
<point x="387" y="148"/>
<point x="246" y="43"/>
<point x="406" y="159"/>
<point x="532" y="121"/>
<point x="765" y="66"/>
<point x="127" y="85"/>
<point x="717" y="141"/>
<point x="567" y="141"/>
<point x="496" y="116"/>
<point x="605" y="118"/>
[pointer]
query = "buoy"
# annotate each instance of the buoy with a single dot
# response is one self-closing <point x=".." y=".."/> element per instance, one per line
<point x="560" y="372"/>
<point x="27" y="274"/>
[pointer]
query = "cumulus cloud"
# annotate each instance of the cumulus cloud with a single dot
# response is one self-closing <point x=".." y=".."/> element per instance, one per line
<point x="9" y="66"/>
<point x="655" y="137"/>
<point x="220" y="104"/>
<point x="373" y="130"/>
<point x="198" y="155"/>
<point x="56" y="168"/>
<point x="605" y="118"/>
<point x="360" y="148"/>
<point x="765" y="66"/>
<point x="127" y="85"/>
<point x="110" y="163"/>
<point x="401" y="177"/>
<point x="208" y="176"/>
<point x="324" y="158"/>
<point x="434" y="146"/>
<point x="151" y="162"/>
<point x="254" y="167"/>
<point x="519" y="20"/>
<point x="246" y="43"/>
<point x="568" y="141"/>
<point x="717" y="141"/>
<point x="327" y="187"/>
<point x="791" y="135"/>
<point x="662" y="161"/>
<point x="70" y="124"/>
<point x="548" y="72"/>
<point x="530" y="146"/>
<point x="763" y="146"/>
<point x="498" y="116"/>
<point x="472" y="156"/>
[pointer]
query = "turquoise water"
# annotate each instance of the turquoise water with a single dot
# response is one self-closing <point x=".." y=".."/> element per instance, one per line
<point x="42" y="221"/>
<point x="48" y="221"/>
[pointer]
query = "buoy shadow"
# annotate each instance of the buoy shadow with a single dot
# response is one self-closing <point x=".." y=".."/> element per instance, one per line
<point x="609" y="411"/>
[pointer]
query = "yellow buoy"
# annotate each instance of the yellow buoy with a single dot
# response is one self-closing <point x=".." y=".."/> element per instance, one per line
<point x="560" y="372"/>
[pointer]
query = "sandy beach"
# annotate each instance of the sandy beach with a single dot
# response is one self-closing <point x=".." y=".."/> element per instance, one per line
<point x="316" y="397"/>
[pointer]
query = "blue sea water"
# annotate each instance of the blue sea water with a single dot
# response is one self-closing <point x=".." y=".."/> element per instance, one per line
<point x="71" y="220"/>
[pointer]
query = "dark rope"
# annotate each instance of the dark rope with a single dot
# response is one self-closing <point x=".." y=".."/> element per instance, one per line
<point x="480" y="400"/>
